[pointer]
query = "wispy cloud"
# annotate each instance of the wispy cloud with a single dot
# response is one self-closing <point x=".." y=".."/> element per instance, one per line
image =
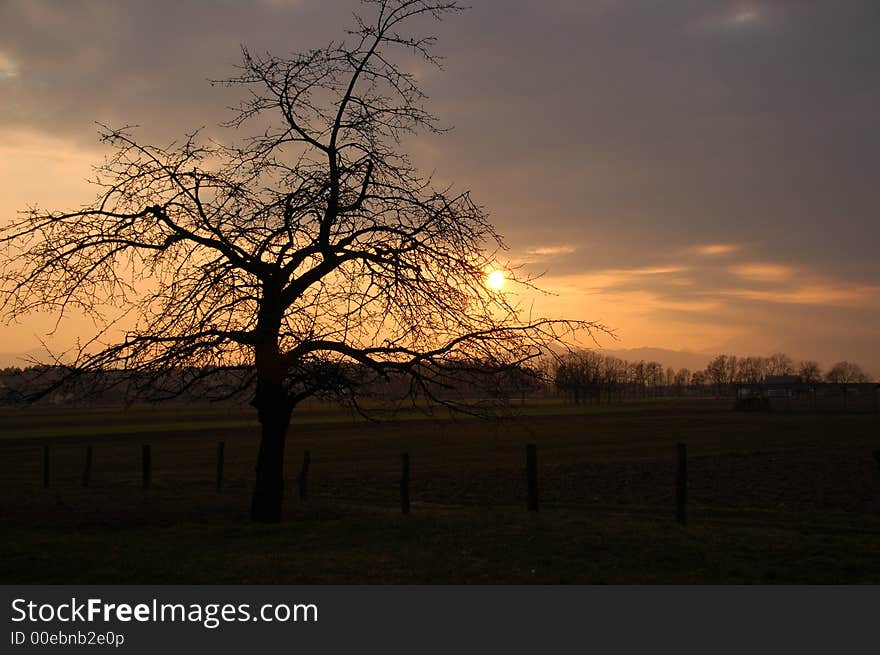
<point x="786" y="284"/>
<point x="613" y="280"/>
<point x="548" y="251"/>
<point x="652" y="270"/>
<point x="743" y="16"/>
<point x="710" y="249"/>
<point x="820" y="294"/>
<point x="764" y="272"/>
<point x="8" y="67"/>
<point x="739" y="16"/>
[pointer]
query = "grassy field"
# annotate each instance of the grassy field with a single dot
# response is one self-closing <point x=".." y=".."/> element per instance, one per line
<point x="779" y="497"/>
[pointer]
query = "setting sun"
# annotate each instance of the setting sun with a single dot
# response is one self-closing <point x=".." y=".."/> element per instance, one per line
<point x="495" y="280"/>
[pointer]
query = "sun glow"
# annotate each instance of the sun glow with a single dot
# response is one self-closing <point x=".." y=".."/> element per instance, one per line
<point x="495" y="280"/>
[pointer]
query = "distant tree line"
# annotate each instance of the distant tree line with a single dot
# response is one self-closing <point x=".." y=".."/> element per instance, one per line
<point x="582" y="376"/>
<point x="589" y="376"/>
<point x="487" y="380"/>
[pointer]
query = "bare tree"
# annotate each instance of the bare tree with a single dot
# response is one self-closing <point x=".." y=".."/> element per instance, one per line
<point x="809" y="372"/>
<point x="639" y="376"/>
<point x="654" y="374"/>
<point x="682" y="380"/>
<point x="845" y="373"/>
<point x="780" y="364"/>
<point x="722" y="371"/>
<point x="613" y="374"/>
<point x="310" y="258"/>
<point x="579" y="374"/>
<point x="752" y="370"/>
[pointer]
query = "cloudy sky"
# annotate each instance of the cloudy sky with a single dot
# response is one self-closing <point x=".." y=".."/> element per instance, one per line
<point x="699" y="175"/>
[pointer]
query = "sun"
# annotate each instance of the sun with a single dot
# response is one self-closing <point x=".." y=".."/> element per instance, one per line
<point x="495" y="280"/>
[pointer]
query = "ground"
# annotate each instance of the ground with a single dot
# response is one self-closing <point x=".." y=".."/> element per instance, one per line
<point x="773" y="497"/>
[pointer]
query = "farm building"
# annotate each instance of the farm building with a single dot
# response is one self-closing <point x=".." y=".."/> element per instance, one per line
<point x="782" y="386"/>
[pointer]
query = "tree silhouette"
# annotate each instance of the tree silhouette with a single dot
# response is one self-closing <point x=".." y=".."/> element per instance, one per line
<point x="845" y="373"/>
<point x="809" y="371"/>
<point x="308" y="258"/>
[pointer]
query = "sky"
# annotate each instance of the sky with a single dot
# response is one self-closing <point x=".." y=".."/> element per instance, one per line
<point x="698" y="175"/>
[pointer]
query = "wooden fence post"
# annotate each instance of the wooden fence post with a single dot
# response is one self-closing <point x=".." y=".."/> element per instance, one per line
<point x="46" y="466"/>
<point x="221" y="447"/>
<point x="532" y="475"/>
<point x="302" y="481"/>
<point x="146" y="463"/>
<point x="87" y="470"/>
<point x="404" y="483"/>
<point x="681" y="484"/>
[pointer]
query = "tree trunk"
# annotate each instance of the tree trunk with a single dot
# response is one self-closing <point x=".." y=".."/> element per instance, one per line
<point x="273" y="410"/>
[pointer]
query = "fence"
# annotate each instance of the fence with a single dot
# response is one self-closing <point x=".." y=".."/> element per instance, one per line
<point x="380" y="468"/>
<point x="530" y="478"/>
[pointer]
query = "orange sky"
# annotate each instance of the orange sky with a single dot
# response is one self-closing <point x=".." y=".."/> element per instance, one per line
<point x="700" y="177"/>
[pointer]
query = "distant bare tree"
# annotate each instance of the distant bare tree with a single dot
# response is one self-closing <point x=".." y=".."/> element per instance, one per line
<point x="310" y="258"/>
<point x="809" y="372"/>
<point x="752" y="370"/>
<point x="579" y="374"/>
<point x="654" y="375"/>
<point x="846" y="372"/>
<point x="638" y="373"/>
<point x="780" y="364"/>
<point x="613" y="372"/>
<point x="722" y="371"/>
<point x="682" y="379"/>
